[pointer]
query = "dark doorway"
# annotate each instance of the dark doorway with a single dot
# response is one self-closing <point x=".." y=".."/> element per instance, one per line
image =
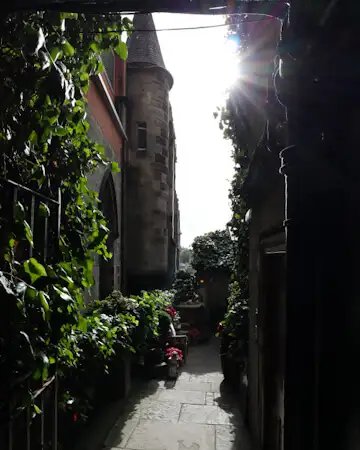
<point x="273" y="323"/>
<point x="109" y="209"/>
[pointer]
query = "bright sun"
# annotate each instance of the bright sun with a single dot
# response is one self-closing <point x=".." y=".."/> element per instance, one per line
<point x="230" y="63"/>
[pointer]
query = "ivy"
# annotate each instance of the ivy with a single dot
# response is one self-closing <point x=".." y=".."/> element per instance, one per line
<point x="234" y="123"/>
<point x="46" y="63"/>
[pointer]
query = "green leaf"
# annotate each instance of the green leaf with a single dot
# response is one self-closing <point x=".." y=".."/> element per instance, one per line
<point x="37" y="409"/>
<point x="55" y="53"/>
<point x="37" y="374"/>
<point x="33" y="137"/>
<point x="19" y="211"/>
<point x="44" y="210"/>
<point x="44" y="300"/>
<point x="121" y="50"/>
<point x="68" y="49"/>
<point x="63" y="293"/>
<point x="34" y="269"/>
<point x="28" y="233"/>
<point x="100" y="67"/>
<point x="68" y="15"/>
<point x="82" y="324"/>
<point x="115" y="167"/>
<point x="27" y="339"/>
<point x="84" y="76"/>
<point x="41" y="40"/>
<point x="94" y="47"/>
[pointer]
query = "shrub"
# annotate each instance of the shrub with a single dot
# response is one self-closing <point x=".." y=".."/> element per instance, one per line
<point x="234" y="326"/>
<point x="185" y="287"/>
<point x="111" y="330"/>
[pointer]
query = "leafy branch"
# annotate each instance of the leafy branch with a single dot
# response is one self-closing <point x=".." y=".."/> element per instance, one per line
<point x="47" y="61"/>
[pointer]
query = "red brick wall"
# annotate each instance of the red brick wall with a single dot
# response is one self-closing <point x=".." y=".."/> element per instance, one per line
<point x="98" y="103"/>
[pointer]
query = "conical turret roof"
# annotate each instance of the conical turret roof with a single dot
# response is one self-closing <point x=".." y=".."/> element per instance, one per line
<point x="143" y="44"/>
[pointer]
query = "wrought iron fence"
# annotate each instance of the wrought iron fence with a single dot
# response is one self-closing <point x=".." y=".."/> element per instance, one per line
<point x="20" y="427"/>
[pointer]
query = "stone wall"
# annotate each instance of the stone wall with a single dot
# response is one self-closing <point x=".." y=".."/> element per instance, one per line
<point x="148" y="178"/>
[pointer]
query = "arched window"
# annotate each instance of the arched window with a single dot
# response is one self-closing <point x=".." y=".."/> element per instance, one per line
<point x="109" y="208"/>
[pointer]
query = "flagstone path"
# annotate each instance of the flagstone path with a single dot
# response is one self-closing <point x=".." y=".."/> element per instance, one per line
<point x="193" y="413"/>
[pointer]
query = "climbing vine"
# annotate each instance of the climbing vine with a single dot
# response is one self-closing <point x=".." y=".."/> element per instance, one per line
<point x="46" y="64"/>
<point x="234" y="123"/>
<point x="236" y="128"/>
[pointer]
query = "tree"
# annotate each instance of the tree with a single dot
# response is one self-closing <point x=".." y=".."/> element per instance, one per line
<point x="213" y="252"/>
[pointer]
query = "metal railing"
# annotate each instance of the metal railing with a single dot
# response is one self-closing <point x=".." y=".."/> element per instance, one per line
<point x="23" y="427"/>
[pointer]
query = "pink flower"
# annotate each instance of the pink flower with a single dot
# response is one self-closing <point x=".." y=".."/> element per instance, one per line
<point x="173" y="351"/>
<point x="171" y="310"/>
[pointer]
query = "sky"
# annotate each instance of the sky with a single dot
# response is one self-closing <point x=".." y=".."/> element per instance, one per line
<point x="202" y="65"/>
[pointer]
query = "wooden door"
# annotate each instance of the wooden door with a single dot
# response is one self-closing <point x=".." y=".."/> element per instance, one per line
<point x="273" y="323"/>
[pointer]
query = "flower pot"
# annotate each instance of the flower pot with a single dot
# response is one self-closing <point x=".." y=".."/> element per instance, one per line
<point x="173" y="368"/>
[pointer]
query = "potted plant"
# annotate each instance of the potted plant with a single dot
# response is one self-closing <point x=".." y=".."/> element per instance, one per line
<point x="233" y="332"/>
<point x="175" y="317"/>
<point x="173" y="358"/>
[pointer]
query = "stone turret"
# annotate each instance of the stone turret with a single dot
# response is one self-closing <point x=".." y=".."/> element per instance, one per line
<point x="148" y="172"/>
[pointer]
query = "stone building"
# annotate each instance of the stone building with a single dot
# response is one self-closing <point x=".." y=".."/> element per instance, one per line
<point x="152" y="212"/>
<point x="107" y="127"/>
<point x="264" y="191"/>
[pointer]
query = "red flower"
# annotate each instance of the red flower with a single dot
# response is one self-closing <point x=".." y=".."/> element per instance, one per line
<point x="75" y="417"/>
<point x="220" y="327"/>
<point x="171" y="310"/>
<point x="173" y="351"/>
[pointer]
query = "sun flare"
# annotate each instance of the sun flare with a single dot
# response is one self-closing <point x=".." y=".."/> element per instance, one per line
<point x="230" y="63"/>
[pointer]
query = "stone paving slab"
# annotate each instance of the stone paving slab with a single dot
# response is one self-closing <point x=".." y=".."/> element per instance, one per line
<point x="200" y="386"/>
<point x="121" y="432"/>
<point x="204" y="414"/>
<point x="207" y="377"/>
<point x="195" y="412"/>
<point x="190" y="397"/>
<point x="150" y="435"/>
<point x="162" y="411"/>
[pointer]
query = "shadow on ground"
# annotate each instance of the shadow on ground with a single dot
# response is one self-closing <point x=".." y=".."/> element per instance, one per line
<point x="197" y="412"/>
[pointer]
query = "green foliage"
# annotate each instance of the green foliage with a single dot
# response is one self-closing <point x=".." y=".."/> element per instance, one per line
<point x="213" y="252"/>
<point x="185" y="287"/>
<point x="47" y="61"/>
<point x="234" y="328"/>
<point x="233" y="121"/>
<point x="114" y="329"/>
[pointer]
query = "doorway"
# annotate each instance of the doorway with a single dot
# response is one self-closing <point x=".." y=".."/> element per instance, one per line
<point x="109" y="209"/>
<point x="273" y="347"/>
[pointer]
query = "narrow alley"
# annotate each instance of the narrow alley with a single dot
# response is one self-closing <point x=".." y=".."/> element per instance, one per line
<point x="193" y="413"/>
